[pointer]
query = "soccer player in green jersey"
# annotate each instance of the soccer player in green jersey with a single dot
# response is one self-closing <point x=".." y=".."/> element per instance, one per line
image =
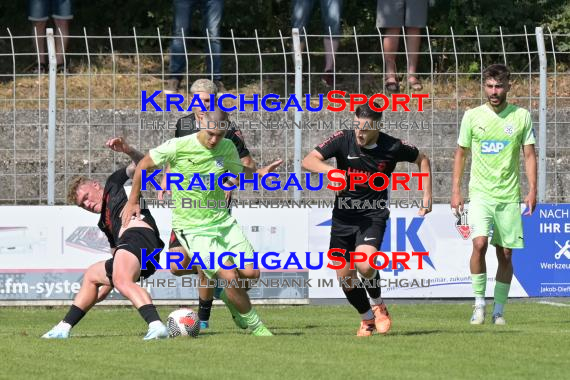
<point x="206" y="230"/>
<point x="495" y="133"/>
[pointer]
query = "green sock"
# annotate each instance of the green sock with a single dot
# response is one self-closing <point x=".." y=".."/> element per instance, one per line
<point x="501" y="292"/>
<point x="479" y="282"/>
<point x="252" y="319"/>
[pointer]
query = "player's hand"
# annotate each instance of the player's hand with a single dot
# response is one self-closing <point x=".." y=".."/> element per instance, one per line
<point x="130" y="212"/>
<point x="424" y="211"/>
<point x="457" y="203"/>
<point x="160" y="194"/>
<point x="530" y="202"/>
<point x="118" y="144"/>
<point x="269" y="168"/>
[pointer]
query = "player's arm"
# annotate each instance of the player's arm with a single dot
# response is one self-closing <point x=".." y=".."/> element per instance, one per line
<point x="132" y="207"/>
<point x="463" y="146"/>
<point x="160" y="193"/>
<point x="315" y="163"/>
<point x="457" y="201"/>
<point x="248" y="171"/>
<point x="424" y="166"/>
<point x="530" y="166"/>
<point x="246" y="161"/>
<point x="119" y="144"/>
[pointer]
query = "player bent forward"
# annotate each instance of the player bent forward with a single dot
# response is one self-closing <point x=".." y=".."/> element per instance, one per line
<point x="207" y="230"/>
<point x="364" y="150"/>
<point x="495" y="133"/>
<point x="185" y="126"/>
<point x="123" y="270"/>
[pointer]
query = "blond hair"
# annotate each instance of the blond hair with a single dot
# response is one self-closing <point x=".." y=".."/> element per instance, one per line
<point x="73" y="186"/>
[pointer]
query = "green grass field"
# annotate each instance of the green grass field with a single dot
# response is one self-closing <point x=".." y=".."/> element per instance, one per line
<point x="426" y="341"/>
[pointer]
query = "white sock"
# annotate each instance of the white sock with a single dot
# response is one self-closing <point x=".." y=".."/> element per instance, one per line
<point x="480" y="301"/>
<point x="63" y="326"/>
<point x="367" y="316"/>
<point x="498" y="309"/>
<point x="377" y="301"/>
<point x="154" y="324"/>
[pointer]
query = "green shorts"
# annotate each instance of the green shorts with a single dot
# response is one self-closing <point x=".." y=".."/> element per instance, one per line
<point x="224" y="237"/>
<point x="502" y="221"/>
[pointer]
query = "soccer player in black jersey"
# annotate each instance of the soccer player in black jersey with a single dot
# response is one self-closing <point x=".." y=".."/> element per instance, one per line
<point x="123" y="270"/>
<point x="185" y="126"/>
<point x="364" y="150"/>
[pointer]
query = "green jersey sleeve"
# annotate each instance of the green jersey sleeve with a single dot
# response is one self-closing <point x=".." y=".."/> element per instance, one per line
<point x="528" y="134"/>
<point x="232" y="163"/>
<point x="164" y="153"/>
<point x="465" y="132"/>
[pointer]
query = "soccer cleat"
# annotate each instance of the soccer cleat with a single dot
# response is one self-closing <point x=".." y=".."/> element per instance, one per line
<point x="158" y="332"/>
<point x="382" y="318"/>
<point x="498" y="319"/>
<point x="56" y="333"/>
<point x="366" y="328"/>
<point x="204" y="325"/>
<point x="478" y="317"/>
<point x="238" y="320"/>
<point x="261" y="330"/>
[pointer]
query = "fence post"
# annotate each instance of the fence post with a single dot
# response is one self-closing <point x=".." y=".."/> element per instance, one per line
<point x="298" y="114"/>
<point x="541" y="116"/>
<point x="51" y="117"/>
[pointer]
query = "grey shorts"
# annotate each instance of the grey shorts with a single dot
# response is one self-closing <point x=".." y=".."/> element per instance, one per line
<point x="398" y="13"/>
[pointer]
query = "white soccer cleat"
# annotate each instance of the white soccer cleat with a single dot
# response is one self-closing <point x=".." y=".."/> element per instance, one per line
<point x="156" y="332"/>
<point x="56" y="333"/>
<point x="498" y="319"/>
<point x="478" y="317"/>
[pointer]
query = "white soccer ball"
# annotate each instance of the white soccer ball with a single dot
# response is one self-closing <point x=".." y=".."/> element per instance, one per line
<point x="183" y="322"/>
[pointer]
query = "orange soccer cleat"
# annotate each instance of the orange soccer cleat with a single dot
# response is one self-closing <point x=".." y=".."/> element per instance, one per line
<point x="382" y="318"/>
<point x="366" y="328"/>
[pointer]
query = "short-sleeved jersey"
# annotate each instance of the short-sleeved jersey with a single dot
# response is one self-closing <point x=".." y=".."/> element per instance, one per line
<point x="187" y="125"/>
<point x="188" y="157"/>
<point x="349" y="156"/>
<point x="114" y="199"/>
<point x="495" y="141"/>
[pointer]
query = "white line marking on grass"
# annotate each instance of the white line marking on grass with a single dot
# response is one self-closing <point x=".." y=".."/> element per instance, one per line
<point x="554" y="303"/>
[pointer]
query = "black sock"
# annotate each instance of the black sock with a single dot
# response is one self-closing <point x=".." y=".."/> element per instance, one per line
<point x="149" y="313"/>
<point x="357" y="298"/>
<point x="204" y="309"/>
<point x="74" y="315"/>
<point x="373" y="286"/>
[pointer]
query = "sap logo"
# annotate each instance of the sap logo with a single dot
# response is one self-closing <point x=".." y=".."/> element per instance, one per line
<point x="493" y="146"/>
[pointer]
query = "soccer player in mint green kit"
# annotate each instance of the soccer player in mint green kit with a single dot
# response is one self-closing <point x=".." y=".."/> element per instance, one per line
<point x="495" y="133"/>
<point x="207" y="230"/>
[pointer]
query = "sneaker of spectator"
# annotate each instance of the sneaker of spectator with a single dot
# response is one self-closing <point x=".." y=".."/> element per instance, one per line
<point x="172" y="86"/>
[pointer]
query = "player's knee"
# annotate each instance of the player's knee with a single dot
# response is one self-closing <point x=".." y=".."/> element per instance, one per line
<point x="480" y="246"/>
<point x="505" y="257"/>
<point x="249" y="272"/>
<point x="122" y="283"/>
<point x="365" y="270"/>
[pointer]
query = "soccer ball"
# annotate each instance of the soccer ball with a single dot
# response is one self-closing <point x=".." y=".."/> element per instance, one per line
<point x="183" y="322"/>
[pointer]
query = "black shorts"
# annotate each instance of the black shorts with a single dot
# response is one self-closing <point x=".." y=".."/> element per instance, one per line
<point x="133" y="240"/>
<point x="369" y="233"/>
